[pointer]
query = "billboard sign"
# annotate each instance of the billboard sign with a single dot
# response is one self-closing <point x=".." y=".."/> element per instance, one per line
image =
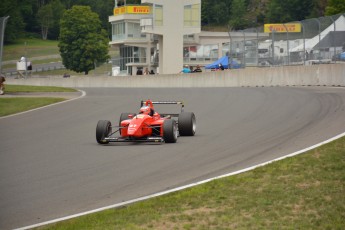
<point x="132" y="10"/>
<point x="283" y="28"/>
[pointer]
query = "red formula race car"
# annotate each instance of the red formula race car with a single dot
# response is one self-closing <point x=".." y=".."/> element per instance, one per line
<point x="148" y="125"/>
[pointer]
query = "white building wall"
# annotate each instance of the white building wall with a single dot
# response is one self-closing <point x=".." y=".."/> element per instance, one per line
<point x="171" y="34"/>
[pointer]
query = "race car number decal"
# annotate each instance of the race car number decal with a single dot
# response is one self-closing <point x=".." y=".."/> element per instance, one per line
<point x="140" y="116"/>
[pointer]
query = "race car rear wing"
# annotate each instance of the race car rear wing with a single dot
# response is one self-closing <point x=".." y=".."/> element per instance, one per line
<point x="166" y="103"/>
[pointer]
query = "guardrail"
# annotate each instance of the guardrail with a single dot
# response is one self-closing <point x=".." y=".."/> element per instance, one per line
<point x="313" y="75"/>
<point x="28" y="73"/>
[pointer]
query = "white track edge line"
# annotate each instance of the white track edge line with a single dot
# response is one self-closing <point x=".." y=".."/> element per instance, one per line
<point x="83" y="94"/>
<point x="182" y="187"/>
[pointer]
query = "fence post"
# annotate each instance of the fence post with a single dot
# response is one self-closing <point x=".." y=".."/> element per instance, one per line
<point x="229" y="58"/>
<point x="333" y="37"/>
<point x="304" y="53"/>
<point x="244" y="49"/>
<point x="287" y="44"/>
<point x="273" y="33"/>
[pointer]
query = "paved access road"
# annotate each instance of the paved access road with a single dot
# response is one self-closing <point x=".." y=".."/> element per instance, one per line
<point x="51" y="165"/>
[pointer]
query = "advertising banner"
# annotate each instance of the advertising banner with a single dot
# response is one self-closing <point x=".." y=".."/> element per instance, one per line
<point x="132" y="10"/>
<point x="283" y="28"/>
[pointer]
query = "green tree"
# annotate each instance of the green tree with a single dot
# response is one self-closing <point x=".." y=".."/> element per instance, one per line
<point x="335" y="7"/>
<point x="238" y="10"/>
<point x="318" y="9"/>
<point x="15" y="24"/>
<point x="82" y="43"/>
<point x="58" y="10"/>
<point x="288" y="10"/>
<point x="45" y="18"/>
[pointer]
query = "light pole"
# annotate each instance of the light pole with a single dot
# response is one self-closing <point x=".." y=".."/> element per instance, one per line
<point x="244" y="49"/>
<point x="229" y="57"/>
<point x="273" y="33"/>
<point x="287" y="43"/>
<point x="3" y="21"/>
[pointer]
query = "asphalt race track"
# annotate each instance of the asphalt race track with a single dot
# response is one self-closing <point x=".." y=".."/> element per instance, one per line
<point x="51" y="165"/>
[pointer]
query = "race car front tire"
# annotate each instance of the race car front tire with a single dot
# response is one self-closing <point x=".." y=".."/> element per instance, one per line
<point x="170" y="131"/>
<point x="103" y="130"/>
<point x="186" y="124"/>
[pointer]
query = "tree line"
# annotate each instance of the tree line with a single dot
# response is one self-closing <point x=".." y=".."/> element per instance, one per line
<point x="42" y="17"/>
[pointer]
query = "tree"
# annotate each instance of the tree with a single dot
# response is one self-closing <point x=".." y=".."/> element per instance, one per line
<point x="82" y="43"/>
<point x="288" y="10"/>
<point x="45" y="18"/>
<point x="58" y="10"/>
<point x="15" y="24"/>
<point x="238" y="9"/>
<point x="335" y="7"/>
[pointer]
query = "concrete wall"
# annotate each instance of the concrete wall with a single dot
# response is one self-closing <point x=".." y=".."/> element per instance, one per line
<point x="316" y="75"/>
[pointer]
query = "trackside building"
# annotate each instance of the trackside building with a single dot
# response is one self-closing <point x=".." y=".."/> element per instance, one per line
<point x="164" y="35"/>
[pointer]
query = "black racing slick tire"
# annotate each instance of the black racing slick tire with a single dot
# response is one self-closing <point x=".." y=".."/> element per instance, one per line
<point x="186" y="124"/>
<point x="103" y="130"/>
<point x="170" y="131"/>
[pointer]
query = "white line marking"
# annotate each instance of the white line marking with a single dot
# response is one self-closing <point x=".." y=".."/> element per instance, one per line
<point x="12" y="115"/>
<point x="182" y="187"/>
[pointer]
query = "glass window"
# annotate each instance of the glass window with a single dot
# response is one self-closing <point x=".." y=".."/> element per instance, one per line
<point x="134" y="30"/>
<point x="158" y="15"/>
<point x="192" y="15"/>
<point x="201" y="52"/>
<point x="118" y="30"/>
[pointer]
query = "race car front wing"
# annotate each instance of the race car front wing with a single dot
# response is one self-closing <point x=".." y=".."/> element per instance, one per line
<point x="144" y="139"/>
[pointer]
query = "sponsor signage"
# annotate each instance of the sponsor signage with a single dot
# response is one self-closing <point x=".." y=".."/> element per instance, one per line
<point x="132" y="10"/>
<point x="282" y="28"/>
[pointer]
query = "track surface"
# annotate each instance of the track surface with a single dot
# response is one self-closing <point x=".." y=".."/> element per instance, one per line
<point x="51" y="165"/>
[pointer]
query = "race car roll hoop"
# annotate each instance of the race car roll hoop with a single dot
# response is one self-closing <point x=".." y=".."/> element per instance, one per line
<point x="148" y="125"/>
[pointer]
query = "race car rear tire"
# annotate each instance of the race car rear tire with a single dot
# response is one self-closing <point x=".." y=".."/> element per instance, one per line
<point x="170" y="131"/>
<point x="124" y="116"/>
<point x="186" y="124"/>
<point x="103" y="130"/>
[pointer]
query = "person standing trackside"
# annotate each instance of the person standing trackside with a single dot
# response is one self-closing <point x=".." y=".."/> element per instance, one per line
<point x="185" y="69"/>
<point x="221" y="67"/>
<point x="2" y="85"/>
<point x="146" y="71"/>
<point x="197" y="70"/>
<point x="139" y="71"/>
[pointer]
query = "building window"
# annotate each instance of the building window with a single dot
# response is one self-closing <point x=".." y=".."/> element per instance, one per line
<point x="134" y="30"/>
<point x="118" y="30"/>
<point x="158" y="15"/>
<point x="202" y="52"/>
<point x="192" y="15"/>
<point x="130" y="55"/>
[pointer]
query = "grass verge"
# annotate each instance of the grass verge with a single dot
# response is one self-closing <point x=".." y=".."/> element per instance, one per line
<point x="302" y="192"/>
<point x="10" y="106"/>
<point x="30" y="47"/>
<point x="36" y="89"/>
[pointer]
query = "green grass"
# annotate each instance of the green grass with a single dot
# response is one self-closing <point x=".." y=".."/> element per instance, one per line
<point x="30" y="47"/>
<point x="303" y="192"/>
<point x="10" y="106"/>
<point x="35" y="49"/>
<point x="35" y="89"/>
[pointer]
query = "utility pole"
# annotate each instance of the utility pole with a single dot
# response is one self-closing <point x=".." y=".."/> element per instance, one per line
<point x="3" y="21"/>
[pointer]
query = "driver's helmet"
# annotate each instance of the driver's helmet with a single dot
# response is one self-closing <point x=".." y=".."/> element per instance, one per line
<point x="145" y="110"/>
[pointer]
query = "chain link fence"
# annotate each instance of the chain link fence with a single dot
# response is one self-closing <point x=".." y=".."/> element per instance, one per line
<point x="319" y="40"/>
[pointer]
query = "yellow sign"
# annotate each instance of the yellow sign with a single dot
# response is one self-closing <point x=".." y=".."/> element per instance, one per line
<point x="132" y="10"/>
<point x="282" y="28"/>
